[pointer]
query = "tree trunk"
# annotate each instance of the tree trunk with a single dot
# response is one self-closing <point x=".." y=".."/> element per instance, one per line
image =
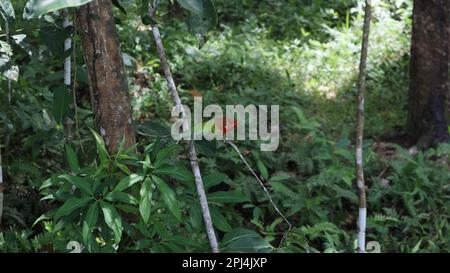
<point x="362" y="215"/>
<point x="429" y="89"/>
<point x="107" y="76"/>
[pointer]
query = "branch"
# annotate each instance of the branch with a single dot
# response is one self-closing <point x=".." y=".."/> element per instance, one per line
<point x="264" y="188"/>
<point x="192" y="152"/>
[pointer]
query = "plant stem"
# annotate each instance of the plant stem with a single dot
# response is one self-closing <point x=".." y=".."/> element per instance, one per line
<point x="192" y="152"/>
<point x="360" y="130"/>
<point x="264" y="188"/>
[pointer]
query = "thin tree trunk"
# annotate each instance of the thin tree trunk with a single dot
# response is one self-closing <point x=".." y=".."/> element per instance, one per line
<point x="360" y="130"/>
<point x="192" y="152"/>
<point x="1" y="188"/>
<point x="429" y="74"/>
<point x="67" y="46"/>
<point x="67" y="69"/>
<point x="108" y="81"/>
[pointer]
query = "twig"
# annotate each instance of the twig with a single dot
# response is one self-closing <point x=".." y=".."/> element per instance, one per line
<point x="362" y="216"/>
<point x="264" y="188"/>
<point x="192" y="152"/>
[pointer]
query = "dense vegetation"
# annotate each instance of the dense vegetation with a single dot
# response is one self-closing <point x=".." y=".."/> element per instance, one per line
<point x="63" y="184"/>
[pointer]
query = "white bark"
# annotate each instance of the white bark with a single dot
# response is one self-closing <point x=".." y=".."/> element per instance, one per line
<point x="362" y="229"/>
<point x="67" y="46"/>
<point x="360" y="130"/>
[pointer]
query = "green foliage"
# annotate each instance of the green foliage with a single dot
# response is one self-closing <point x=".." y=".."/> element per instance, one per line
<point x="37" y="8"/>
<point x="301" y="55"/>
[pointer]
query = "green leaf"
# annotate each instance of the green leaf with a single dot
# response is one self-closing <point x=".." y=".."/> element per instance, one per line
<point x="121" y="197"/>
<point x="281" y="188"/>
<point x="7" y="9"/>
<point x="90" y="220"/>
<point x="145" y="201"/>
<point x="219" y="220"/>
<point x="71" y="205"/>
<point x="78" y="182"/>
<point x="165" y="154"/>
<point x="279" y="178"/>
<point x="168" y="196"/>
<point x="227" y="197"/>
<point x="203" y="15"/>
<point x="61" y="101"/>
<point x="113" y="220"/>
<point x="244" y="240"/>
<point x="213" y="179"/>
<point x="179" y="173"/>
<point x="202" y="8"/>
<point x="262" y="169"/>
<point x="128" y="181"/>
<point x="72" y="158"/>
<point x="195" y="215"/>
<point x="101" y="148"/>
<point x="194" y="6"/>
<point x="37" y="8"/>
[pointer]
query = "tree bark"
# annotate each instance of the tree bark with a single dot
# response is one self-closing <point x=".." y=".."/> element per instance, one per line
<point x="362" y="215"/>
<point x="107" y="76"/>
<point x="429" y="87"/>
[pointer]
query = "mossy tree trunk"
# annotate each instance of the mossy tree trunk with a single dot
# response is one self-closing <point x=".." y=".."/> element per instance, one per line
<point x="429" y="90"/>
<point x="107" y="76"/>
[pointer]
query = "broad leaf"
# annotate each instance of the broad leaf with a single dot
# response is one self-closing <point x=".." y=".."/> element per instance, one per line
<point x="165" y="153"/>
<point x="128" y="181"/>
<point x="214" y="179"/>
<point x="72" y="158"/>
<point x="90" y="220"/>
<point x="219" y="220"/>
<point x="168" y="195"/>
<point x="61" y="101"/>
<point x="101" y="148"/>
<point x="121" y="197"/>
<point x="113" y="220"/>
<point x="203" y="15"/>
<point x="145" y="200"/>
<point x="78" y="182"/>
<point x="7" y="9"/>
<point x="244" y="240"/>
<point x="71" y="205"/>
<point x="37" y="8"/>
<point x="179" y="173"/>
<point x="227" y="197"/>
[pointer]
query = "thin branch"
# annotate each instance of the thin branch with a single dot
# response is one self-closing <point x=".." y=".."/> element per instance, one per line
<point x="192" y="152"/>
<point x="264" y="188"/>
<point x="362" y="217"/>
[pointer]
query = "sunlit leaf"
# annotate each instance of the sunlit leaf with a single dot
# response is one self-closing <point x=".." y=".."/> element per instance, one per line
<point x="37" y="8"/>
